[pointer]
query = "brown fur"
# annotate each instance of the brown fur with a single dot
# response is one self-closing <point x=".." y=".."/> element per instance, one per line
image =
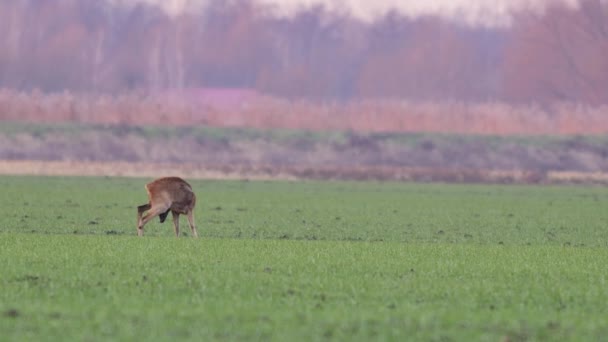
<point x="168" y="194"/>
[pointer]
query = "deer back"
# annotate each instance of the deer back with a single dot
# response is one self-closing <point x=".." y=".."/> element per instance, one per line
<point x="173" y="192"/>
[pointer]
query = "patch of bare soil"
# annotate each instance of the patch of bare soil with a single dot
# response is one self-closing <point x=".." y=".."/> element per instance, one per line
<point x="268" y="172"/>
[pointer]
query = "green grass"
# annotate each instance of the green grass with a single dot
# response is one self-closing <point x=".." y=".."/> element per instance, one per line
<point x="412" y="213"/>
<point x="304" y="261"/>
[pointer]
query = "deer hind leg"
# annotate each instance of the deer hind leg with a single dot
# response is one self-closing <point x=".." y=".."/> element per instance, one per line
<point x="191" y="222"/>
<point x="140" y="210"/>
<point x="153" y="212"/>
<point x="176" y="222"/>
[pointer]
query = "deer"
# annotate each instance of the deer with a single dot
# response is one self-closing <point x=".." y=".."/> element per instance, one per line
<point x="167" y="194"/>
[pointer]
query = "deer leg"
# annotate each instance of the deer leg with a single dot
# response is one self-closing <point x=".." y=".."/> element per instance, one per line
<point x="191" y="222"/>
<point x="153" y="212"/>
<point x="176" y="222"/>
<point x="140" y="210"/>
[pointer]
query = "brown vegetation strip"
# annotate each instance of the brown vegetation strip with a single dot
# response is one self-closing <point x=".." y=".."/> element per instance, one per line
<point x="116" y="169"/>
<point x="265" y="112"/>
<point x="261" y="172"/>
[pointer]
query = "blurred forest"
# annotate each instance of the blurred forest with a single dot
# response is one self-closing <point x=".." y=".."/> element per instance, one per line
<point x="91" y="46"/>
<point x="118" y="69"/>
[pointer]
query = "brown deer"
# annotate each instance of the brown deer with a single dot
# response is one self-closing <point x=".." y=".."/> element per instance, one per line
<point x="168" y="194"/>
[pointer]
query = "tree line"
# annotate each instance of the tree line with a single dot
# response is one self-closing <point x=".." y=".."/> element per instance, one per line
<point x="559" y="55"/>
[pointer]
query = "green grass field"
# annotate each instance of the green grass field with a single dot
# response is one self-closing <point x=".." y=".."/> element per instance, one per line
<point x="304" y="261"/>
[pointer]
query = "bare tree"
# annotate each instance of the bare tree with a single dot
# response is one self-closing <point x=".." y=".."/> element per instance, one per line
<point x="561" y="55"/>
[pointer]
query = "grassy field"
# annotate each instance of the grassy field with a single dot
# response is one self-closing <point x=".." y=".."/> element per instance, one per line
<point x="304" y="261"/>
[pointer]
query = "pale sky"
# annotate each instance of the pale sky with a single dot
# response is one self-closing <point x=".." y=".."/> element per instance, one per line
<point x="476" y="11"/>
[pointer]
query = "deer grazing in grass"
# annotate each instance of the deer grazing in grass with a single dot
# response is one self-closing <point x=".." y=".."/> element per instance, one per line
<point x="168" y="194"/>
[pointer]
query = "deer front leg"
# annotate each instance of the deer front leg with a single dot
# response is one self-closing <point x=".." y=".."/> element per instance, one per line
<point x="176" y="222"/>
